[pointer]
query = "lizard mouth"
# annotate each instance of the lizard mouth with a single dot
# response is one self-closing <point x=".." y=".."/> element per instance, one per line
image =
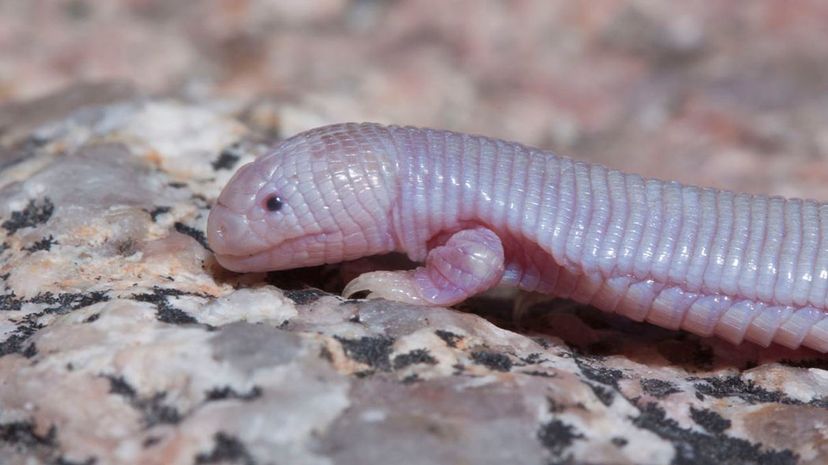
<point x="238" y="248"/>
<point x="297" y="252"/>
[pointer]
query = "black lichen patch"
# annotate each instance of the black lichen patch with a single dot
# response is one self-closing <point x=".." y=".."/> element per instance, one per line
<point x="34" y="214"/>
<point x="166" y="313"/>
<point x="119" y="386"/>
<point x="709" y="420"/>
<point x="227" y="159"/>
<point x="305" y="296"/>
<point x="68" y="301"/>
<point x="169" y="314"/>
<point x="372" y="351"/>
<point x="227" y="392"/>
<point x="413" y="357"/>
<point x="542" y="342"/>
<point x="448" y="337"/>
<point x="605" y="380"/>
<point x="603" y="393"/>
<point x="10" y="303"/>
<point x="696" y="448"/>
<point x="126" y="247"/>
<point x="538" y="373"/>
<point x="156" y="412"/>
<point x="45" y="243"/>
<point x="30" y="351"/>
<point x="226" y="449"/>
<point x="196" y="234"/>
<point x="492" y="360"/>
<point x="153" y="409"/>
<point x="658" y="388"/>
<point x="14" y="343"/>
<point x="158" y="211"/>
<point x="57" y="304"/>
<point x="603" y="375"/>
<point x="747" y="390"/>
<point x="619" y="442"/>
<point x="201" y="201"/>
<point x="556" y="437"/>
<point x="23" y="434"/>
<point x="23" y="437"/>
<point x="92" y="318"/>
<point x="532" y="358"/>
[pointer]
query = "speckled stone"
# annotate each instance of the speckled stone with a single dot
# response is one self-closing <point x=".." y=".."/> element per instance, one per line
<point x="123" y="342"/>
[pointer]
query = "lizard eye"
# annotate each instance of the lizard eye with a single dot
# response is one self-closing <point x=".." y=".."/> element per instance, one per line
<point x="273" y="203"/>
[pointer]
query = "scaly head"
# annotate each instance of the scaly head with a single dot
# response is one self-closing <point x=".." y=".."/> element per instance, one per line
<point x="322" y="196"/>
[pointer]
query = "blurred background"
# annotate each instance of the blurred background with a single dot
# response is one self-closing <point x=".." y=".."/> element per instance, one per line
<point x="731" y="94"/>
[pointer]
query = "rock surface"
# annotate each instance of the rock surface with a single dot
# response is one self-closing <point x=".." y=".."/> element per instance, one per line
<point x="122" y="341"/>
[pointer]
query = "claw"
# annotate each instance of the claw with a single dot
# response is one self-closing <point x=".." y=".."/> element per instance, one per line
<point x="399" y="286"/>
<point x="355" y="286"/>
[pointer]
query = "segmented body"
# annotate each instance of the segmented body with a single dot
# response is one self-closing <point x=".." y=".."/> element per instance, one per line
<point x="707" y="261"/>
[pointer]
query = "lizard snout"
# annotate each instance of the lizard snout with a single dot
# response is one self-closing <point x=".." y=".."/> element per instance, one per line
<point x="229" y="233"/>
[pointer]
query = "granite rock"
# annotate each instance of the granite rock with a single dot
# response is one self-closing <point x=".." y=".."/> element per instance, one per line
<point x="123" y="341"/>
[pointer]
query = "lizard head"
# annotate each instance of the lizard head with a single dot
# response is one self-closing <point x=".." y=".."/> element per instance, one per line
<point x="322" y="196"/>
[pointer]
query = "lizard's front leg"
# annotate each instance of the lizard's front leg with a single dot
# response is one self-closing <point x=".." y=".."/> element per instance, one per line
<point x="471" y="261"/>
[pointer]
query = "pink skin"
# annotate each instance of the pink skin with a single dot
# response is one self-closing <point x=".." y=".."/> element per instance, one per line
<point x="479" y="212"/>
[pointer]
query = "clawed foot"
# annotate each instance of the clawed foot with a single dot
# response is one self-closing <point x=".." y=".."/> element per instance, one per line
<point x="399" y="286"/>
<point x="470" y="262"/>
